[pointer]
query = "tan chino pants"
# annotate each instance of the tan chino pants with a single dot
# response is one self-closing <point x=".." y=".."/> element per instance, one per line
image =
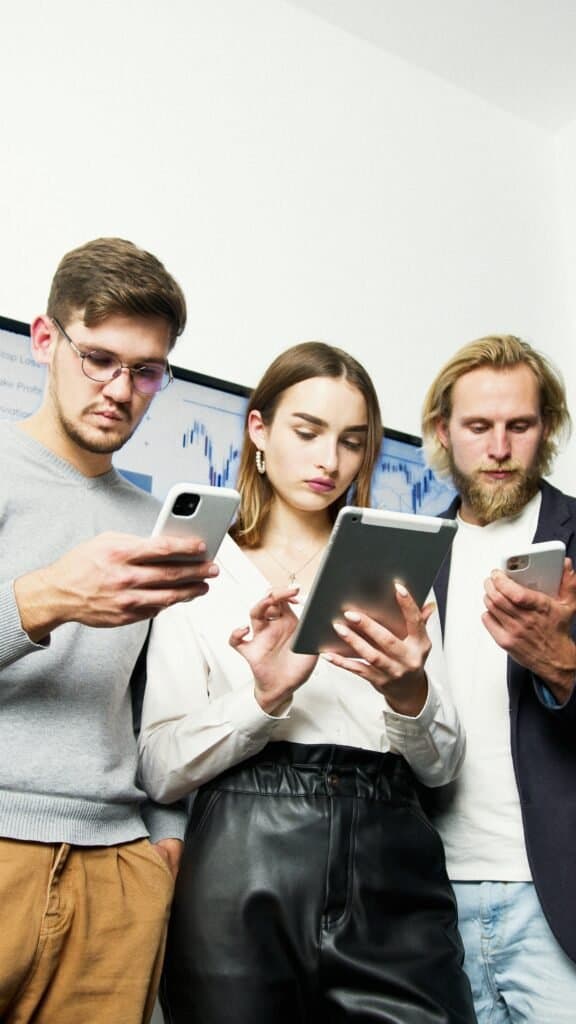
<point x="82" y="932"/>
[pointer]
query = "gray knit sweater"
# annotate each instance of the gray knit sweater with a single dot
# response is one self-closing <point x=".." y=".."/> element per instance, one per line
<point x="67" y="748"/>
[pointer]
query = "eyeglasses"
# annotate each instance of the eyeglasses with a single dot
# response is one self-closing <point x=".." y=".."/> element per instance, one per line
<point x="148" y="379"/>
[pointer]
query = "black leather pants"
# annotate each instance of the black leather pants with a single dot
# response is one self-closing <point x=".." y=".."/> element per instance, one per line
<point x="313" y="889"/>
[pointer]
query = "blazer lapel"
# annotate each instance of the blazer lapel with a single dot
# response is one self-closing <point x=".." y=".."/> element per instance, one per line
<point x="443" y="575"/>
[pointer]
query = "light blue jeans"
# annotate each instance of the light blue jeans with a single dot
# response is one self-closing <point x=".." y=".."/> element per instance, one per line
<point x="517" y="970"/>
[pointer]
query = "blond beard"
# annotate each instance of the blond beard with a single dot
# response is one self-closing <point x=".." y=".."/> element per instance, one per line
<point x="499" y="499"/>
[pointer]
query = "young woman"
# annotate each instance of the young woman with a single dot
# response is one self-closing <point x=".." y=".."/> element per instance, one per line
<point x="312" y="887"/>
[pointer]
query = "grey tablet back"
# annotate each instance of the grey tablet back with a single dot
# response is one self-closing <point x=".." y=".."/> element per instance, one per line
<point x="369" y="549"/>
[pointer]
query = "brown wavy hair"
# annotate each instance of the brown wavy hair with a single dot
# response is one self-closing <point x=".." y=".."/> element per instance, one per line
<point x="111" y="276"/>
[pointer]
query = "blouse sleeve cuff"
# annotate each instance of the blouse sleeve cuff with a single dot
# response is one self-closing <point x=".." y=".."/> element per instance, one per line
<point x="398" y="725"/>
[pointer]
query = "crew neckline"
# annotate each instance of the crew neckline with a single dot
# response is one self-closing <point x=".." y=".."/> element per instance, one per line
<point x="530" y="511"/>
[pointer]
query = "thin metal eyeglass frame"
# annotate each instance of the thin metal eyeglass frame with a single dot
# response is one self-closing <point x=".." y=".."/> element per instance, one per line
<point x="132" y="370"/>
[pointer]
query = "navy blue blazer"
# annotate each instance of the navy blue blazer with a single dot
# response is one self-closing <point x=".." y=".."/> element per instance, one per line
<point x="543" y="751"/>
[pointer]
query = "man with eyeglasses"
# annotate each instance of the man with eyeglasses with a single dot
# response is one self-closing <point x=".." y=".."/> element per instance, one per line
<point x="86" y="865"/>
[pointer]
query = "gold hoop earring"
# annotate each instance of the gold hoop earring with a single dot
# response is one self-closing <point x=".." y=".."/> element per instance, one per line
<point x="260" y="462"/>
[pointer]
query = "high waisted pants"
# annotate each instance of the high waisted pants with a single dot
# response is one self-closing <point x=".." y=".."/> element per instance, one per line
<point x="313" y="889"/>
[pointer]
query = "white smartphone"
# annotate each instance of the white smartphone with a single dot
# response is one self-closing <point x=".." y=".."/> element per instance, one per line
<point x="368" y="551"/>
<point x="198" y="510"/>
<point x="537" y="566"/>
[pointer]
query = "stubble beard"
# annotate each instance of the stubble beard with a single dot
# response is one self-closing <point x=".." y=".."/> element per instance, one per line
<point x="83" y="436"/>
<point x="498" y="499"/>
<point x="89" y="442"/>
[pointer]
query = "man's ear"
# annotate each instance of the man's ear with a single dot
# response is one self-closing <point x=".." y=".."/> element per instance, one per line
<point x="441" y="428"/>
<point x="44" y="335"/>
<point x="257" y="429"/>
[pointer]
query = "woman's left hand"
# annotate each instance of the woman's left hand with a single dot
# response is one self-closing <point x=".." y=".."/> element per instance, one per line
<point x="392" y="666"/>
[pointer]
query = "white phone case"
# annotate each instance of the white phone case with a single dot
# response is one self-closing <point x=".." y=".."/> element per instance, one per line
<point x="538" y="566"/>
<point x="198" y="510"/>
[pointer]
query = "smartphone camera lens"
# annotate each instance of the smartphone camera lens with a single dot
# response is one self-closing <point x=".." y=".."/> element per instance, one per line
<point x="185" y="504"/>
<point x="517" y="562"/>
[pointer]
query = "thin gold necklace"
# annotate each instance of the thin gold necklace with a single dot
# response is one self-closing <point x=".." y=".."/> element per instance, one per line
<point x="294" y="573"/>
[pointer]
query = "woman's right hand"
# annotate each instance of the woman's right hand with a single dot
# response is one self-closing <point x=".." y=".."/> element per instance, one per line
<point x="277" y="670"/>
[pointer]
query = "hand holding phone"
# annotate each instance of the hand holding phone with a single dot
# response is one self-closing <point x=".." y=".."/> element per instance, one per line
<point x="537" y="566"/>
<point x="200" y="511"/>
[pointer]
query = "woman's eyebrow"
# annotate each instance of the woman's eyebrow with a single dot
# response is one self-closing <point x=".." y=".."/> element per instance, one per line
<point x="317" y="422"/>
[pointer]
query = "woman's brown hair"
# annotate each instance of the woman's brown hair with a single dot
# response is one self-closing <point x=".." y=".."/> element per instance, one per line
<point x="301" y="362"/>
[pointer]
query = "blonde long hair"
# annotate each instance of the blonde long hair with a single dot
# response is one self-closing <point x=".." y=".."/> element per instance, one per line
<point x="499" y="352"/>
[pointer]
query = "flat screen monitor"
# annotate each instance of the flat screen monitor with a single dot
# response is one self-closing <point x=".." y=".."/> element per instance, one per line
<point x="193" y="431"/>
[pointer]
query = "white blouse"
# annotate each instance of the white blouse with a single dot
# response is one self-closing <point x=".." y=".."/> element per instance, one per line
<point x="200" y="715"/>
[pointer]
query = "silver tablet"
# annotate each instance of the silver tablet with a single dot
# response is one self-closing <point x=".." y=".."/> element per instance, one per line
<point x="368" y="551"/>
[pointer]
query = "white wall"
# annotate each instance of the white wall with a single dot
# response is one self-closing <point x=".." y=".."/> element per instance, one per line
<point x="565" y="152"/>
<point x="299" y="182"/>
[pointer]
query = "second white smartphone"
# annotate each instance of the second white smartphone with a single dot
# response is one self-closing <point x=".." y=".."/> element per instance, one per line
<point x="198" y="510"/>
<point x="537" y="566"/>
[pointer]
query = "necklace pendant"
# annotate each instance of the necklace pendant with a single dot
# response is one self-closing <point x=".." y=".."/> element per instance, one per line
<point x="292" y="579"/>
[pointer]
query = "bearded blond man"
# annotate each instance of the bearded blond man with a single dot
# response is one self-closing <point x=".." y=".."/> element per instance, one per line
<point x="492" y="422"/>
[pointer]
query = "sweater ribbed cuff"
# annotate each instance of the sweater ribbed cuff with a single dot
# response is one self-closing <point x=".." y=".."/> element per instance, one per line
<point x="14" y="642"/>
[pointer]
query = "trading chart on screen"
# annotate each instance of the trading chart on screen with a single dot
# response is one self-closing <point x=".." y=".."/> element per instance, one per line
<point x="402" y="481"/>
<point x="193" y="432"/>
